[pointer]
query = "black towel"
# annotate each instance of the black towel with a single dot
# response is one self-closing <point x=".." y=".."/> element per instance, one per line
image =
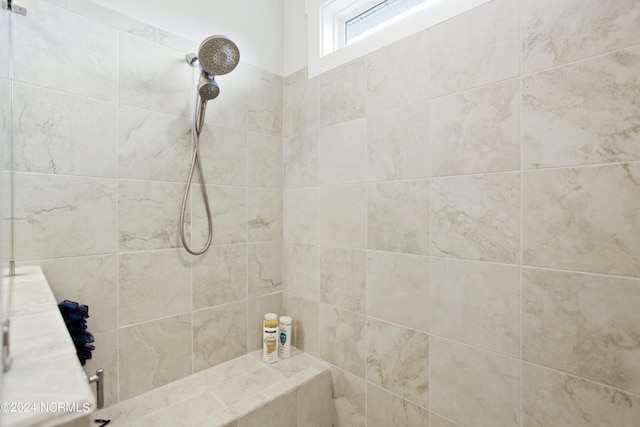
<point x="74" y="316"/>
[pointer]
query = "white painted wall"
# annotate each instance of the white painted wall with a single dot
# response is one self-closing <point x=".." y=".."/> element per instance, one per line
<point x="295" y="36"/>
<point x="256" y="26"/>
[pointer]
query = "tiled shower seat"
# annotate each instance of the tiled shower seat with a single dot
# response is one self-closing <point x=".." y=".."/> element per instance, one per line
<point x="242" y="392"/>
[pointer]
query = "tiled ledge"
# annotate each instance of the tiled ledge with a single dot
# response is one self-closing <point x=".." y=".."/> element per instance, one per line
<point x="242" y="391"/>
<point x="46" y="385"/>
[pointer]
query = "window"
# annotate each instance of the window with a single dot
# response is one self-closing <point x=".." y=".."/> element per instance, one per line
<point x="342" y="30"/>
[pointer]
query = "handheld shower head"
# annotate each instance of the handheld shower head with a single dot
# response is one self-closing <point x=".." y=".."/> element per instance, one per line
<point x="218" y="55"/>
<point x="208" y="89"/>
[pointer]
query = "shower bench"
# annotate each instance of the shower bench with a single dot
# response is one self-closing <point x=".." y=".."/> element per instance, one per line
<point x="242" y="392"/>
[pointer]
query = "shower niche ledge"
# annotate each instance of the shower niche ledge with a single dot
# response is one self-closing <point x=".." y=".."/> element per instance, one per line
<point x="45" y="385"/>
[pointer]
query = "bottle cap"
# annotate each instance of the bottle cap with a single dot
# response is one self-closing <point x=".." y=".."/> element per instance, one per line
<point x="270" y="316"/>
<point x="285" y="319"/>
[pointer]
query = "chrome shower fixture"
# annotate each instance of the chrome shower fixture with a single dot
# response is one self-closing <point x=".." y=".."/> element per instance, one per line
<point x="217" y="56"/>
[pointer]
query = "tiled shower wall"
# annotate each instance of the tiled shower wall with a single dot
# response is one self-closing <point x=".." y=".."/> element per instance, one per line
<point x="461" y="220"/>
<point x="102" y="120"/>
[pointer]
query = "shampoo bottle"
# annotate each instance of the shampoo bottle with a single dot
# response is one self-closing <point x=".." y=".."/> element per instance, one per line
<point x="284" y="349"/>
<point x="270" y="338"/>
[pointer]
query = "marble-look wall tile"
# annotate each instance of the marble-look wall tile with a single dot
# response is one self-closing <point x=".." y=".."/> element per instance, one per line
<point x="342" y="216"/>
<point x="143" y="73"/>
<point x="590" y="106"/>
<point x="153" y="146"/>
<point x="89" y="280"/>
<point x="343" y="93"/>
<point x="388" y="72"/>
<point x="148" y="215"/>
<point x="349" y="394"/>
<point x="166" y="356"/>
<point x="398" y="217"/>
<point x="281" y="412"/>
<point x="224" y="155"/>
<point x="231" y="108"/>
<point x="219" y="334"/>
<point x="264" y="268"/>
<point x="557" y="32"/>
<point x="438" y="421"/>
<point x="63" y="62"/>
<point x="342" y="277"/>
<point x="477" y="304"/>
<point x="398" y="360"/>
<point x="105" y="356"/>
<point x="301" y="107"/>
<point x="114" y="19"/>
<point x="228" y="213"/>
<point x="583" y="324"/>
<point x="305" y="322"/>
<point x="58" y="216"/>
<point x="397" y="144"/>
<point x="342" y="340"/>
<point x="300" y="215"/>
<point x="551" y="398"/>
<point x="5" y="46"/>
<point x="264" y="214"/>
<point x="300" y="160"/>
<point x="265" y="160"/>
<point x="473" y="387"/>
<point x="314" y="406"/>
<point x="301" y="270"/>
<point x="175" y="41"/>
<point x="257" y="307"/>
<point x="152" y="285"/>
<point x="476" y="131"/>
<point x="387" y="409"/>
<point x="219" y="276"/>
<point x="462" y="59"/>
<point x="476" y="217"/>
<point x="583" y="219"/>
<point x="398" y="288"/>
<point x="342" y="153"/>
<point x="48" y="133"/>
<point x="265" y="102"/>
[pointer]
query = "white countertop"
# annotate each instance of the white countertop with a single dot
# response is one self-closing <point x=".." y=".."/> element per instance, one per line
<point x="46" y="385"/>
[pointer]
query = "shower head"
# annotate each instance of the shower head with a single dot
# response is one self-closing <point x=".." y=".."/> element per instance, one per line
<point x="218" y="55"/>
<point x="208" y="89"/>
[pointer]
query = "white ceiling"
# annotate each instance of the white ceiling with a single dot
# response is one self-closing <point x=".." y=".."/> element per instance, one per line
<point x="256" y="26"/>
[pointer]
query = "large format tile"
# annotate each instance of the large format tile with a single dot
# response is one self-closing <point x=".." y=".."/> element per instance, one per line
<point x="82" y="59"/>
<point x="304" y="313"/>
<point x="476" y="217"/>
<point x="342" y="277"/>
<point x="301" y="270"/>
<point x="264" y="214"/>
<point x="57" y="216"/>
<point x="476" y="303"/>
<point x="342" y="216"/>
<point x="398" y="288"/>
<point x="112" y="18"/>
<point x="342" y="151"/>
<point x="473" y="387"/>
<point x="153" y="145"/>
<point x="62" y="133"/>
<point x="223" y="154"/>
<point x="264" y="268"/>
<point x="349" y="399"/>
<point x="314" y="406"/>
<point x="152" y="285"/>
<point x="105" y="356"/>
<point x="154" y="78"/>
<point x="584" y="113"/>
<point x="398" y="360"/>
<point x="264" y="160"/>
<point x="550" y="398"/>
<point x="398" y="217"/>
<point x="265" y="101"/>
<point x="300" y="160"/>
<point x="281" y="412"/>
<point x="387" y="409"/>
<point x="148" y="215"/>
<point x="301" y="107"/>
<point x="343" y="93"/>
<point x="219" y="334"/>
<point x="388" y="72"/>
<point x="583" y="324"/>
<point x="167" y="355"/>
<point x="476" y="131"/>
<point x="343" y="338"/>
<point x="397" y="144"/>
<point x="557" y="32"/>
<point x="228" y="214"/>
<point x="300" y="208"/>
<point x="583" y="219"/>
<point x="219" y="276"/>
<point x="462" y="59"/>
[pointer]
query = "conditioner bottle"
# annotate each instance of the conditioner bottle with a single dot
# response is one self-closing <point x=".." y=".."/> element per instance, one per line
<point x="285" y="337"/>
<point x="270" y="338"/>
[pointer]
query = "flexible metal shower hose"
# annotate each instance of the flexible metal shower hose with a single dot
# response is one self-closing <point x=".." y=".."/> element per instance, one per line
<point x="195" y="163"/>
